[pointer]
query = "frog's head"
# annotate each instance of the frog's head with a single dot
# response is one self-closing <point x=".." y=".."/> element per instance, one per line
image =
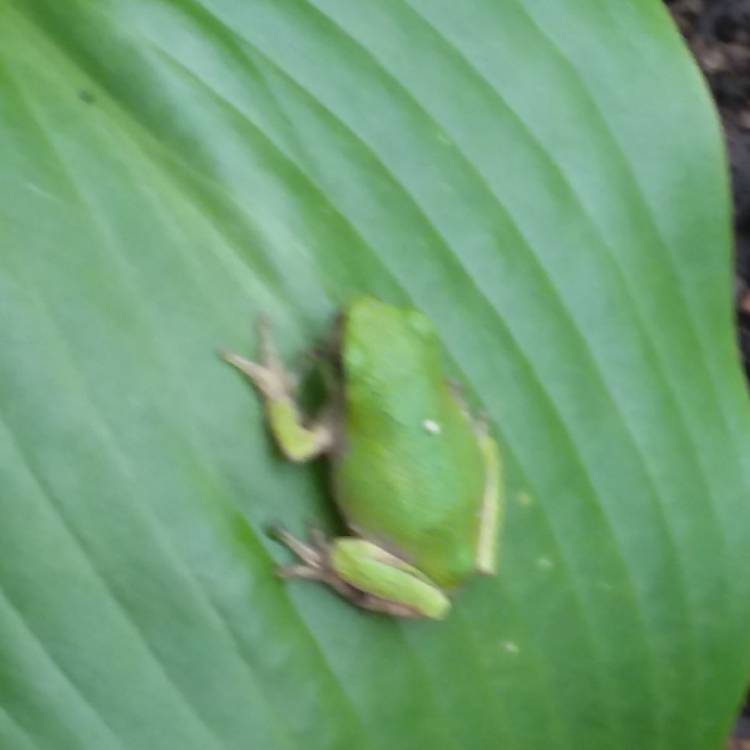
<point x="379" y="340"/>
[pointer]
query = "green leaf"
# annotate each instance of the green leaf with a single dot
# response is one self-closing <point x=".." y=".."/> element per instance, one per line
<point x="544" y="178"/>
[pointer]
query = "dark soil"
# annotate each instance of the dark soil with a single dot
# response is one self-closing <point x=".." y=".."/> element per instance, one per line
<point x="718" y="33"/>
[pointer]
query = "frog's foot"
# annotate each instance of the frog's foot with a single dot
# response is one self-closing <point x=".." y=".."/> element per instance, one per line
<point x="313" y="555"/>
<point x="299" y="442"/>
<point x="366" y="575"/>
<point x="269" y="376"/>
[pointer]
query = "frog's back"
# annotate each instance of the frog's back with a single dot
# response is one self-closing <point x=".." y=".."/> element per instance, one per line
<point x="409" y="474"/>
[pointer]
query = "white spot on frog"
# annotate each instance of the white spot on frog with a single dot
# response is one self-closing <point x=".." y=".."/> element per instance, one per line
<point x="545" y="563"/>
<point x="511" y="647"/>
<point x="431" y="426"/>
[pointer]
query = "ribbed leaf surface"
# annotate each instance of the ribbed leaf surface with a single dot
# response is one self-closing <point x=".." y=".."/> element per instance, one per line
<point x="544" y="178"/>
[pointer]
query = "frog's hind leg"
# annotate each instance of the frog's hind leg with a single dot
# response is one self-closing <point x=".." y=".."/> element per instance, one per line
<point x="366" y="575"/>
<point x="388" y="583"/>
<point x="490" y="516"/>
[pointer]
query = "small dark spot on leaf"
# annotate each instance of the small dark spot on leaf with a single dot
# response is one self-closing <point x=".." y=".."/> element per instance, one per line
<point x="86" y="96"/>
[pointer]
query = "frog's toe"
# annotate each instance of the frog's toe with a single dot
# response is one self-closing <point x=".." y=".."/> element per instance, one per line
<point x="266" y="380"/>
<point x="301" y="571"/>
<point x="313" y="555"/>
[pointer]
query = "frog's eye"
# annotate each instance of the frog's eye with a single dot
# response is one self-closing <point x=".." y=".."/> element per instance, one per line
<point x="419" y="323"/>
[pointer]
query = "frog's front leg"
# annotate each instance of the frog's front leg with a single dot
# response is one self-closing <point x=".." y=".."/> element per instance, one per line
<point x="299" y="442"/>
<point x="367" y="575"/>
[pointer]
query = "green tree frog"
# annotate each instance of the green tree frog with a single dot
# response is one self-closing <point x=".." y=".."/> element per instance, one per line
<point x="416" y="479"/>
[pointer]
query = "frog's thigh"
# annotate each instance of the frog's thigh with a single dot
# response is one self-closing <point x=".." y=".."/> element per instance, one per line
<point x="371" y="569"/>
<point x="490" y="516"/>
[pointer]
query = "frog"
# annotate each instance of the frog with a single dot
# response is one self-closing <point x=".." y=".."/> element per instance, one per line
<point x="416" y="479"/>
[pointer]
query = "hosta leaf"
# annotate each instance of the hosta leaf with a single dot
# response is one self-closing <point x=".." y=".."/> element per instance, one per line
<point x="545" y="179"/>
